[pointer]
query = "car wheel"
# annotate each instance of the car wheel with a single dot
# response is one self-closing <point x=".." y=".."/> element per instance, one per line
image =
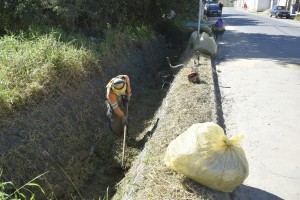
<point x="287" y="17"/>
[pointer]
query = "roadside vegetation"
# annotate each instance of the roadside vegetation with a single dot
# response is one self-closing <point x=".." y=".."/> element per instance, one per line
<point x="46" y="42"/>
<point x="31" y="65"/>
<point x="34" y="64"/>
<point x="50" y="46"/>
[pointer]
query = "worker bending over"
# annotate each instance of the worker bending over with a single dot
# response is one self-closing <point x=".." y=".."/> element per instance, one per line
<point x="118" y="92"/>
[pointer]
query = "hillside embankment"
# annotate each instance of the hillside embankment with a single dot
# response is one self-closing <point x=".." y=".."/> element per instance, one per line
<point x="67" y="135"/>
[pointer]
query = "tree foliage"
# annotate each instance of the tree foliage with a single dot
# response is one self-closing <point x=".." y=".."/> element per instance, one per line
<point x="89" y="16"/>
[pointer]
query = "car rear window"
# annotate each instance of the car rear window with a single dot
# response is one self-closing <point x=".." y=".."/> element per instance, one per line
<point x="214" y="7"/>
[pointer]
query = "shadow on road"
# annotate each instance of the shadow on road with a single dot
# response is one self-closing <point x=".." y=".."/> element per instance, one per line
<point x="237" y="45"/>
<point x="244" y="192"/>
<point x="276" y="43"/>
<point x="239" y="20"/>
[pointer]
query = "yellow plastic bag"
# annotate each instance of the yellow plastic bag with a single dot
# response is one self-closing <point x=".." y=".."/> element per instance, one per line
<point x="205" y="154"/>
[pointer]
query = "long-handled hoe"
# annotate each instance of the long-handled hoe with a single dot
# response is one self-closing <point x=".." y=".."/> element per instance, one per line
<point x="124" y="140"/>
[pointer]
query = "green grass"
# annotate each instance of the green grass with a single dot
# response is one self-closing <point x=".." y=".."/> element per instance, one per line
<point x="8" y="191"/>
<point x="28" y="65"/>
<point x="119" y="38"/>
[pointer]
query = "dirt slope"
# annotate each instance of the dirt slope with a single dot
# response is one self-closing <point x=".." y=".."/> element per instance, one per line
<point x="67" y="135"/>
<point x="186" y="103"/>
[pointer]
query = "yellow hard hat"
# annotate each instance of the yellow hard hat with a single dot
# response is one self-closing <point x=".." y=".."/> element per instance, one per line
<point x="119" y="86"/>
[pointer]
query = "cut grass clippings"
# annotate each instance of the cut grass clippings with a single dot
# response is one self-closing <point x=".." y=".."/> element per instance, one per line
<point x="186" y="103"/>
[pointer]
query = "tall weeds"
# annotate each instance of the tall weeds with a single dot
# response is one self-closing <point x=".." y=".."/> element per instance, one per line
<point x="29" y="65"/>
<point x="8" y="191"/>
<point x="119" y="38"/>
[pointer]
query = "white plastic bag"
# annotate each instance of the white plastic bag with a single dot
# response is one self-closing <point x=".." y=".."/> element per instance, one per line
<point x="205" y="154"/>
<point x="204" y="44"/>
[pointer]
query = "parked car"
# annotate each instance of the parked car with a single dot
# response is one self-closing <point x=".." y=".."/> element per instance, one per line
<point x="280" y="11"/>
<point x="212" y="9"/>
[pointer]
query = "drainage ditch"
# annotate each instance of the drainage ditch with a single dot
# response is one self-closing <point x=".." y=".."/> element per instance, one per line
<point x="67" y="136"/>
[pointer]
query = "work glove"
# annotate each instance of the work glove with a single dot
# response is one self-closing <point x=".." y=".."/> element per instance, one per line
<point x="124" y="120"/>
<point x="126" y="99"/>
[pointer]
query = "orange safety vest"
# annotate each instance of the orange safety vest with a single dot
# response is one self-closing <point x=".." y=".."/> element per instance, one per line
<point x="114" y="98"/>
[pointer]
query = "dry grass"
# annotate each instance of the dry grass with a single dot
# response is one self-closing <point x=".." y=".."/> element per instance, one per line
<point x="185" y="104"/>
<point x="67" y="133"/>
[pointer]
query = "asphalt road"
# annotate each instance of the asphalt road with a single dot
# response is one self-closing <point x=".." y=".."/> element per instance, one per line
<point x="258" y="66"/>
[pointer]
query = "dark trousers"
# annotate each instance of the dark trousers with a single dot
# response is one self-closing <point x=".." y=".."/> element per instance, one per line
<point x="115" y="122"/>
